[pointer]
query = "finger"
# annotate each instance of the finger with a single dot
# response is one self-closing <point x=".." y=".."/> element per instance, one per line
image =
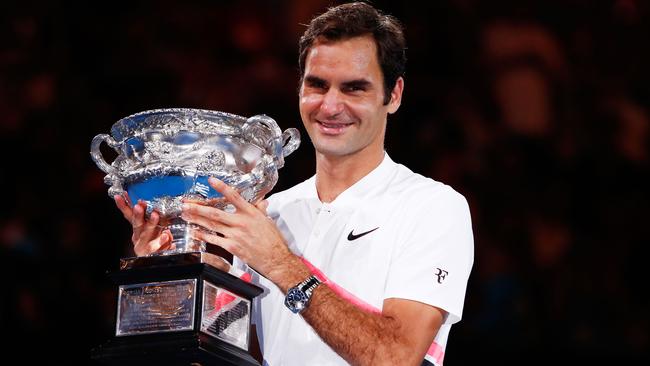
<point x="203" y="201"/>
<point x="127" y="198"/>
<point x="150" y="227"/>
<point x="166" y="242"/>
<point x="262" y="206"/>
<point x="227" y="244"/>
<point x="208" y="217"/>
<point x="152" y="246"/>
<point x="223" y="233"/>
<point x="123" y="206"/>
<point x="147" y="231"/>
<point x="211" y="226"/>
<point x="230" y="194"/>
<point x="137" y="220"/>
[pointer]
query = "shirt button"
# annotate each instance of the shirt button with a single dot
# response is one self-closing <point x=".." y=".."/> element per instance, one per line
<point x="316" y="232"/>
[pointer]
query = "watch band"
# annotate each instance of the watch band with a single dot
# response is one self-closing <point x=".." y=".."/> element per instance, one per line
<point x="307" y="286"/>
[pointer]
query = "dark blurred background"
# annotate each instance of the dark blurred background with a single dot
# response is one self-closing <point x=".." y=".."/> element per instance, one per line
<point x="536" y="111"/>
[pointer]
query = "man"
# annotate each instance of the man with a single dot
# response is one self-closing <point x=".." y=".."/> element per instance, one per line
<point x="366" y="262"/>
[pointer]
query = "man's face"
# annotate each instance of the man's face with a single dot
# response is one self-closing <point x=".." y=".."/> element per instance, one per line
<point x="341" y="97"/>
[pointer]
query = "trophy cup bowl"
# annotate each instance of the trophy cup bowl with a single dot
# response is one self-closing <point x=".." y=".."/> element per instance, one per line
<point x="166" y="155"/>
<point x="186" y="305"/>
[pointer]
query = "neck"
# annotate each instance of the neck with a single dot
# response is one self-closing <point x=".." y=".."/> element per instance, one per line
<point x="335" y="174"/>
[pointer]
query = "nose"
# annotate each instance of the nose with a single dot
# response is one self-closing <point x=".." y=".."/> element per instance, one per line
<point x="332" y="104"/>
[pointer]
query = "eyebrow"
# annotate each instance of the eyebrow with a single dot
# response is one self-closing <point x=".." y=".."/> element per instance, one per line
<point x="313" y="80"/>
<point x="357" y="83"/>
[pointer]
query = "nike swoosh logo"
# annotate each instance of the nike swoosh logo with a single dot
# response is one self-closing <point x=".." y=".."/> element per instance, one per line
<point x="352" y="236"/>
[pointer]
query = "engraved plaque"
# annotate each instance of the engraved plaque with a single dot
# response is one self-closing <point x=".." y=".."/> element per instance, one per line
<point x="225" y="315"/>
<point x="156" y="307"/>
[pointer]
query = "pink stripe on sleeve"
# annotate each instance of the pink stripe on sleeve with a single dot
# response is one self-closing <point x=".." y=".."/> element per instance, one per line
<point x="436" y="352"/>
<point x="340" y="290"/>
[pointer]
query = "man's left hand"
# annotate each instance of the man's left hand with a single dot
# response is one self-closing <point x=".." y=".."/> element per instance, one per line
<point x="247" y="233"/>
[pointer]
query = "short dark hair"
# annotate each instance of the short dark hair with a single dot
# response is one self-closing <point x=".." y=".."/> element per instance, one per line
<point x="358" y="19"/>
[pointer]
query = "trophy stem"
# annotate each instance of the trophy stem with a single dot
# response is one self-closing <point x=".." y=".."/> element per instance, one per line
<point x="182" y="239"/>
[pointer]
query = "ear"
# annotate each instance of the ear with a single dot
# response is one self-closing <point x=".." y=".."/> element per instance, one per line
<point x="396" y="96"/>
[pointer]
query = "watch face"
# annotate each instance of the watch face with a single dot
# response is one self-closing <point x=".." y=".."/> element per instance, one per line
<point x="296" y="300"/>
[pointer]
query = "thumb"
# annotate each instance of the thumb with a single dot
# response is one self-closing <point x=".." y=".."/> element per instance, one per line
<point x="164" y="241"/>
<point x="165" y="238"/>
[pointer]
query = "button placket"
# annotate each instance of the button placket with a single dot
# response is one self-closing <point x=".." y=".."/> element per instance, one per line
<point x="322" y="220"/>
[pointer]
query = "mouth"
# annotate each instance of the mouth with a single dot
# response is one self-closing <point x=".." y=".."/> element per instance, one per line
<point x="333" y="128"/>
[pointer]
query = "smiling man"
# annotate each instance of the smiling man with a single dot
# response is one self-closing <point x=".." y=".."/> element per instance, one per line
<point x="366" y="262"/>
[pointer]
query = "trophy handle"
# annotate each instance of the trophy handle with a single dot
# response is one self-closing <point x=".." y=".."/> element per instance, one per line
<point x="290" y="141"/>
<point x="96" y="154"/>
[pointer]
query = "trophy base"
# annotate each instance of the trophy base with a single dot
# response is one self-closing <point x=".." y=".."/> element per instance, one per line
<point x="190" y="348"/>
<point x="182" y="309"/>
<point x="217" y="260"/>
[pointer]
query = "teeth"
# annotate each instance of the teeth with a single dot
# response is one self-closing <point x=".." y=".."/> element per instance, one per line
<point x="335" y="125"/>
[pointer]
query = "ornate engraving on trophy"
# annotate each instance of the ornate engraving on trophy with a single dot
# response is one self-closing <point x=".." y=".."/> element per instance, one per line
<point x="166" y="155"/>
<point x="156" y="307"/>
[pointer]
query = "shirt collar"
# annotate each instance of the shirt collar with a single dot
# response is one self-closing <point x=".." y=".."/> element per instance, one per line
<point x="362" y="189"/>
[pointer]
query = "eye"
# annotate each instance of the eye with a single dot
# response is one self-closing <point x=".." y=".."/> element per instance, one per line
<point x="354" y="88"/>
<point x="315" y="83"/>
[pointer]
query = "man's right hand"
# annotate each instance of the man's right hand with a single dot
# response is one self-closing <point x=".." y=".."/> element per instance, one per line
<point x="147" y="236"/>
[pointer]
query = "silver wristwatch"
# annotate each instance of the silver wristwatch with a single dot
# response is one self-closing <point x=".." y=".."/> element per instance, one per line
<point x="298" y="297"/>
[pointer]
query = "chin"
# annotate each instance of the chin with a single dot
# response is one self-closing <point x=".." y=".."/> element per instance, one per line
<point x="332" y="152"/>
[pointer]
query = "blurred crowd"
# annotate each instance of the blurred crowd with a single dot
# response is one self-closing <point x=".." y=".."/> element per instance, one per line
<point x="536" y="111"/>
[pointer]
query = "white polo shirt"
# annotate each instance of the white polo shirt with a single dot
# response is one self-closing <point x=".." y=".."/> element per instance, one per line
<point x="393" y="234"/>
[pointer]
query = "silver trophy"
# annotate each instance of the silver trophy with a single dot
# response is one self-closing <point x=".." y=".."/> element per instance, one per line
<point x="186" y="304"/>
<point x="165" y="155"/>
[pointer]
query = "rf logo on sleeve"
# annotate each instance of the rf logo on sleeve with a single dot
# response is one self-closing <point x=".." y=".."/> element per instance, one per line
<point x="441" y="274"/>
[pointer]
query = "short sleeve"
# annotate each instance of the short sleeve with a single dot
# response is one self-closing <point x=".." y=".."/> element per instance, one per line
<point x="433" y="262"/>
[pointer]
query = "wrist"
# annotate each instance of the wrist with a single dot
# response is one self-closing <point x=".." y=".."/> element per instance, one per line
<point x="288" y="272"/>
<point x="298" y="297"/>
